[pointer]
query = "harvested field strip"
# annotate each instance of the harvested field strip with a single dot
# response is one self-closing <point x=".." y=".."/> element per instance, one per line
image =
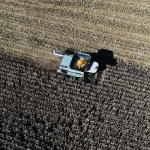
<point x="65" y="30"/>
<point x="78" y="11"/>
<point x="86" y="26"/>
<point x="88" y="45"/>
<point x="120" y="23"/>
<point x="107" y="5"/>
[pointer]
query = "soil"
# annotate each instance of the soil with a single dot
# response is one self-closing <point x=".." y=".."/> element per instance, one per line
<point x="33" y="29"/>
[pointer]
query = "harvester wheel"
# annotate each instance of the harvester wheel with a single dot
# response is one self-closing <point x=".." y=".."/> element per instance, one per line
<point x="91" y="78"/>
<point x="98" y="79"/>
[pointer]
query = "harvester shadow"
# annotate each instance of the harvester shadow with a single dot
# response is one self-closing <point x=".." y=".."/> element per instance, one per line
<point x="104" y="57"/>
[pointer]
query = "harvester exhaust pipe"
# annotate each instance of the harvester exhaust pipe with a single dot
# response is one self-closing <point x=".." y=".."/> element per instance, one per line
<point x="57" y="54"/>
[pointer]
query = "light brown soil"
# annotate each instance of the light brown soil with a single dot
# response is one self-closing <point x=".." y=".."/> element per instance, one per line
<point x="33" y="29"/>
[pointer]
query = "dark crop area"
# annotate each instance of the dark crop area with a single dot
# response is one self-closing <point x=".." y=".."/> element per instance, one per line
<point x="39" y="110"/>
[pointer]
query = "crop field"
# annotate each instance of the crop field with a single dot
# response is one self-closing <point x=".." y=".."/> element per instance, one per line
<point x="32" y="29"/>
<point x="41" y="110"/>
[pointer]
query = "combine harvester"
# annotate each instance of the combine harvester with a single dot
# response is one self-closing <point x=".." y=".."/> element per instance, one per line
<point x="78" y="66"/>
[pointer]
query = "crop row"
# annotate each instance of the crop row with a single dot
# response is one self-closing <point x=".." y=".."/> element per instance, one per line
<point x="41" y="110"/>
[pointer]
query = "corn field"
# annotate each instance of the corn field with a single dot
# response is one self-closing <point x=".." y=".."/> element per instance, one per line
<point x="41" y="110"/>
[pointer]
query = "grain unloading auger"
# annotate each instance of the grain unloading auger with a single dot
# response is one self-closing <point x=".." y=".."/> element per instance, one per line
<point x="78" y="65"/>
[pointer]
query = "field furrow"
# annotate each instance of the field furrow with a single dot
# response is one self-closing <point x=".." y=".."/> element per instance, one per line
<point x="38" y="105"/>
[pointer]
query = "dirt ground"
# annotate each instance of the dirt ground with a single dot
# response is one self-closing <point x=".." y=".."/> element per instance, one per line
<point x="32" y="29"/>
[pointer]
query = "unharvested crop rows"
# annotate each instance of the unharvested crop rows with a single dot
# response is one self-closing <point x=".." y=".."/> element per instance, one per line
<point x="35" y="28"/>
<point x="43" y="110"/>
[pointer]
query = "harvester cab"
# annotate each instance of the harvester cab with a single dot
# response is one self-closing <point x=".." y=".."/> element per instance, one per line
<point x="78" y="65"/>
